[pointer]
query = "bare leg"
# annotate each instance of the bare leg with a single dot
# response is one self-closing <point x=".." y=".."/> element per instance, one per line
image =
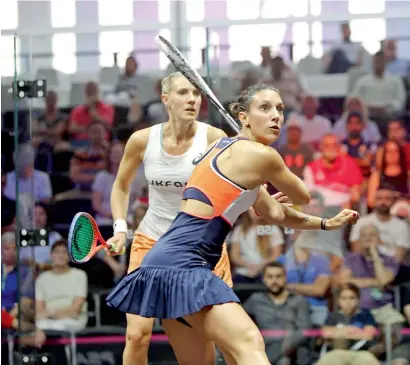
<point x="190" y="347"/>
<point x="139" y="330"/>
<point x="233" y="331"/>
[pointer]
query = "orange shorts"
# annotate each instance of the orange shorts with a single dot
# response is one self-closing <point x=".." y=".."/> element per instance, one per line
<point x="141" y="244"/>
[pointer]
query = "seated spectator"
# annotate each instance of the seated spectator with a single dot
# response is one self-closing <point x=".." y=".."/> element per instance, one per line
<point x="128" y="80"/>
<point x="344" y="55"/>
<point x="383" y="94"/>
<point x="32" y="182"/>
<point x="370" y="134"/>
<point x="313" y="125"/>
<point x="94" y="110"/>
<point x="265" y="67"/>
<point x="8" y="207"/>
<point x="287" y="82"/>
<point x="401" y="354"/>
<point x="252" y="246"/>
<point x="391" y="174"/>
<point x="87" y="162"/>
<point x="41" y="258"/>
<point x="50" y="126"/>
<point x="295" y="153"/>
<point x="16" y="293"/>
<point x="9" y="322"/>
<point x="61" y="294"/>
<point x="155" y="110"/>
<point x="393" y="232"/>
<point x="349" y="329"/>
<point x="327" y="242"/>
<point x="334" y="175"/>
<point x="401" y="210"/>
<point x="396" y="131"/>
<point x="370" y="270"/>
<point x="394" y="65"/>
<point x="279" y="309"/>
<point x="102" y="185"/>
<point x="356" y="147"/>
<point x="308" y="274"/>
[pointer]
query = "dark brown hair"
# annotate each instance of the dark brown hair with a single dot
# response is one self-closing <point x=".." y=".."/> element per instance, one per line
<point x="350" y="286"/>
<point x="59" y="243"/>
<point x="245" y="99"/>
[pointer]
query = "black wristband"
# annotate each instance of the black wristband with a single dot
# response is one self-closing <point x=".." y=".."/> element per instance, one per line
<point x="323" y="224"/>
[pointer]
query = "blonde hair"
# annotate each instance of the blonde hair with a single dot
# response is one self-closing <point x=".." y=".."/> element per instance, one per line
<point x="166" y="83"/>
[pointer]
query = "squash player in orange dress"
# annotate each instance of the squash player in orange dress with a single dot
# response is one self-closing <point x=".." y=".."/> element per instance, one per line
<point x="175" y="279"/>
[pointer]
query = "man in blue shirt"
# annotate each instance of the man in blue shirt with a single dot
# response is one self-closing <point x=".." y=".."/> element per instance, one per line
<point x="308" y="274"/>
<point x="10" y="292"/>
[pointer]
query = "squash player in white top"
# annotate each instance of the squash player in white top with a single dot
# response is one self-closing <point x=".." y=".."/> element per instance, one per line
<point x="167" y="151"/>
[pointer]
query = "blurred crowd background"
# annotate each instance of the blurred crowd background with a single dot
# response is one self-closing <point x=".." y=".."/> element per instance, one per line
<point x="343" y="71"/>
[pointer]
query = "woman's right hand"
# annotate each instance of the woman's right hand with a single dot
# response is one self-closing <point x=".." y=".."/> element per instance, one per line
<point x="346" y="216"/>
<point x="117" y="243"/>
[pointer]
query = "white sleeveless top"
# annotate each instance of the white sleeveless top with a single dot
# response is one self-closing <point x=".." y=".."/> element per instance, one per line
<point x="167" y="176"/>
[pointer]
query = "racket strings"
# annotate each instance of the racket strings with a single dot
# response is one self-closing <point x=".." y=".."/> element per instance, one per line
<point x="82" y="239"/>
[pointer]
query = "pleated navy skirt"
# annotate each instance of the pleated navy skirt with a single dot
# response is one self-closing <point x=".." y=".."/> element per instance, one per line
<point x="169" y="293"/>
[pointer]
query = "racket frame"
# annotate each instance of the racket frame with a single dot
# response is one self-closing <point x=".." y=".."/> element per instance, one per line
<point x="197" y="80"/>
<point x="97" y="237"/>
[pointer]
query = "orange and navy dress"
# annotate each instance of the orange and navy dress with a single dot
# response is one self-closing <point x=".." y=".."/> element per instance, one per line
<point x="175" y="278"/>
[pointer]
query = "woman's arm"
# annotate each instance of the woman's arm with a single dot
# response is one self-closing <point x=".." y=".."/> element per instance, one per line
<point x="280" y="214"/>
<point x="278" y="174"/>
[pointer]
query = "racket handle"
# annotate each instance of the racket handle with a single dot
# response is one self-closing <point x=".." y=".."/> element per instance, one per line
<point x="113" y="246"/>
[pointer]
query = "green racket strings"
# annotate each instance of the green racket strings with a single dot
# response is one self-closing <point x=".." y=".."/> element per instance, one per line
<point x="82" y="239"/>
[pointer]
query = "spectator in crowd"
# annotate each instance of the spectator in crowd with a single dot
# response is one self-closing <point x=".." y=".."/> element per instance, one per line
<point x="279" y="309"/>
<point x="401" y="353"/>
<point x="355" y="145"/>
<point x="344" y="55"/>
<point x="401" y="210"/>
<point x="87" y="162"/>
<point x="308" y="274"/>
<point x="39" y="256"/>
<point x="396" y="131"/>
<point x="16" y="293"/>
<point x="50" y="126"/>
<point x="326" y="242"/>
<point x="287" y="82"/>
<point x="252" y="246"/>
<point x="349" y="329"/>
<point x="314" y="126"/>
<point x="394" y="65"/>
<point x="94" y="110"/>
<point x="334" y="175"/>
<point x="61" y="294"/>
<point x="155" y="110"/>
<point x="370" y="134"/>
<point x="8" y="207"/>
<point x="370" y="270"/>
<point x="391" y="173"/>
<point x="265" y="68"/>
<point x="128" y="80"/>
<point x="135" y="112"/>
<point x="103" y="182"/>
<point x="383" y="94"/>
<point x="393" y="231"/>
<point x="295" y="153"/>
<point x="32" y="182"/>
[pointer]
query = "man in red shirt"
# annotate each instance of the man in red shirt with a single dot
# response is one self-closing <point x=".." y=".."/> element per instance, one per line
<point x="334" y="175"/>
<point x="93" y="110"/>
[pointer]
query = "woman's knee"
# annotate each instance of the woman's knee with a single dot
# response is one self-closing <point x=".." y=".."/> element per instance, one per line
<point x="251" y="339"/>
<point x="139" y="332"/>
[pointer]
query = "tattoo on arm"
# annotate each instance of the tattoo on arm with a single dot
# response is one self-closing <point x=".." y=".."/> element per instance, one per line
<point x="305" y="219"/>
